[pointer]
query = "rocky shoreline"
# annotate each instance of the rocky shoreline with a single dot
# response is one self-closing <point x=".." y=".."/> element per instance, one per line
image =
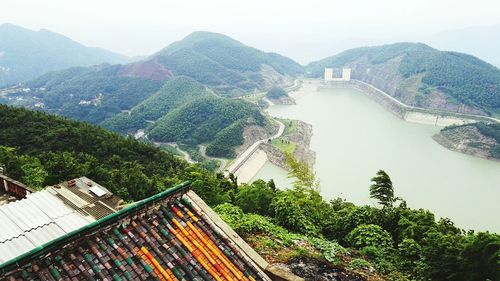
<point x="302" y="137"/>
<point x="467" y="140"/>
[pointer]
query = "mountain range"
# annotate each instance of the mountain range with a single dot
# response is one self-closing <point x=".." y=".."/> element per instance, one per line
<point x="186" y="92"/>
<point x="25" y="54"/>
<point x="189" y="85"/>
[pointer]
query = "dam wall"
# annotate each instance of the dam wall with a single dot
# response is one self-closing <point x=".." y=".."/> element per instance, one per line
<point x="409" y="113"/>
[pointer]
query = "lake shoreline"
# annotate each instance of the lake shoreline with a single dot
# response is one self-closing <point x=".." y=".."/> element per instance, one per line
<point x="406" y="112"/>
<point x="354" y="137"/>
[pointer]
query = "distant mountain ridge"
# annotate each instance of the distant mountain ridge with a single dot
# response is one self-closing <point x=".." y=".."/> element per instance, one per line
<point x="419" y="75"/>
<point x="26" y="54"/>
<point x="480" y="41"/>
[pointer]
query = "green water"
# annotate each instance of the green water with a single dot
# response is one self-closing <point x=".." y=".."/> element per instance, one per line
<point x="354" y="137"/>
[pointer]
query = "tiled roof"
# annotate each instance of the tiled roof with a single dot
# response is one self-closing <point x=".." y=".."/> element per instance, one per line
<point x="45" y="215"/>
<point x="164" y="237"/>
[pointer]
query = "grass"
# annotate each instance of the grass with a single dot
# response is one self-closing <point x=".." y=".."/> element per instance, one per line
<point x="254" y="97"/>
<point x="290" y="126"/>
<point x="284" y="145"/>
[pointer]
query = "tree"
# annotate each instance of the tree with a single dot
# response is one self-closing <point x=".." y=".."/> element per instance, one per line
<point x="34" y="173"/>
<point x="382" y="190"/>
<point x="306" y="179"/>
<point x="255" y="198"/>
<point x="276" y="93"/>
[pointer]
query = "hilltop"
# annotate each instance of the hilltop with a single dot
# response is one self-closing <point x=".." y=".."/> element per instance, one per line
<point x="227" y="65"/>
<point x="26" y="54"/>
<point x="419" y="75"/>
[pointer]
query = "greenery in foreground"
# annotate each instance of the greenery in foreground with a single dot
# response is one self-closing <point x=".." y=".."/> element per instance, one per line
<point x="399" y="242"/>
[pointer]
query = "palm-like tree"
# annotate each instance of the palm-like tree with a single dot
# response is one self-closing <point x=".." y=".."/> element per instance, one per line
<point x="382" y="189"/>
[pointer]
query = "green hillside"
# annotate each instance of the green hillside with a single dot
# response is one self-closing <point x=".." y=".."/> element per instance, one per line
<point x="62" y="149"/>
<point x="214" y="120"/>
<point x="172" y="94"/>
<point x="422" y="76"/>
<point x="226" y="64"/>
<point x="91" y="94"/>
<point x="26" y="54"/>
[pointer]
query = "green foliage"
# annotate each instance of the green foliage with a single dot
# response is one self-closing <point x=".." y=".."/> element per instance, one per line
<point x="481" y="257"/>
<point x="276" y="93"/>
<point x="28" y="169"/>
<point x="305" y="177"/>
<point x="223" y="63"/>
<point x="369" y="235"/>
<point x="102" y="87"/>
<point x="382" y="190"/>
<point x="251" y="224"/>
<point x="410" y="253"/>
<point x="331" y="250"/>
<point x="210" y="119"/>
<point x="256" y="198"/>
<point x="301" y="210"/>
<point x="225" y="140"/>
<point x="67" y="149"/>
<point x="172" y="94"/>
<point x="358" y="263"/>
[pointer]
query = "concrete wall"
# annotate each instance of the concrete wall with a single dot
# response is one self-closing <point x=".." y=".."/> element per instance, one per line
<point x="410" y="113"/>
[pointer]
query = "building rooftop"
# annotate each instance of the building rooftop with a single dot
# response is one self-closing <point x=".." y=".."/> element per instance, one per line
<point x="42" y="216"/>
<point x="170" y="236"/>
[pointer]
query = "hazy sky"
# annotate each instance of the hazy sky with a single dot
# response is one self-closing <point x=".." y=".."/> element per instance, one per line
<point x="304" y="30"/>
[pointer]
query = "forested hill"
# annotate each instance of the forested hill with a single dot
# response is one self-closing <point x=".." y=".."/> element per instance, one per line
<point x="26" y="54"/>
<point x="419" y="75"/>
<point x="226" y="64"/>
<point x="218" y="122"/>
<point x="173" y="93"/>
<point x="187" y="112"/>
<point x="90" y="94"/>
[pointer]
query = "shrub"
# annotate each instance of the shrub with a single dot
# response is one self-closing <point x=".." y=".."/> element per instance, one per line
<point x="369" y="235"/>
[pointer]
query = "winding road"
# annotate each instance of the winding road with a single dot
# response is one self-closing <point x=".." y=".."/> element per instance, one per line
<point x="240" y="160"/>
<point x="203" y="153"/>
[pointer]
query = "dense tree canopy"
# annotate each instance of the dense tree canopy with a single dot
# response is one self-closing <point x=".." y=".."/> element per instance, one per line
<point x="276" y="93"/>
<point x="214" y="120"/>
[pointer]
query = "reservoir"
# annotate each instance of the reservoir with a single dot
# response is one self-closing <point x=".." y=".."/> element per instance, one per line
<point x="354" y="137"/>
